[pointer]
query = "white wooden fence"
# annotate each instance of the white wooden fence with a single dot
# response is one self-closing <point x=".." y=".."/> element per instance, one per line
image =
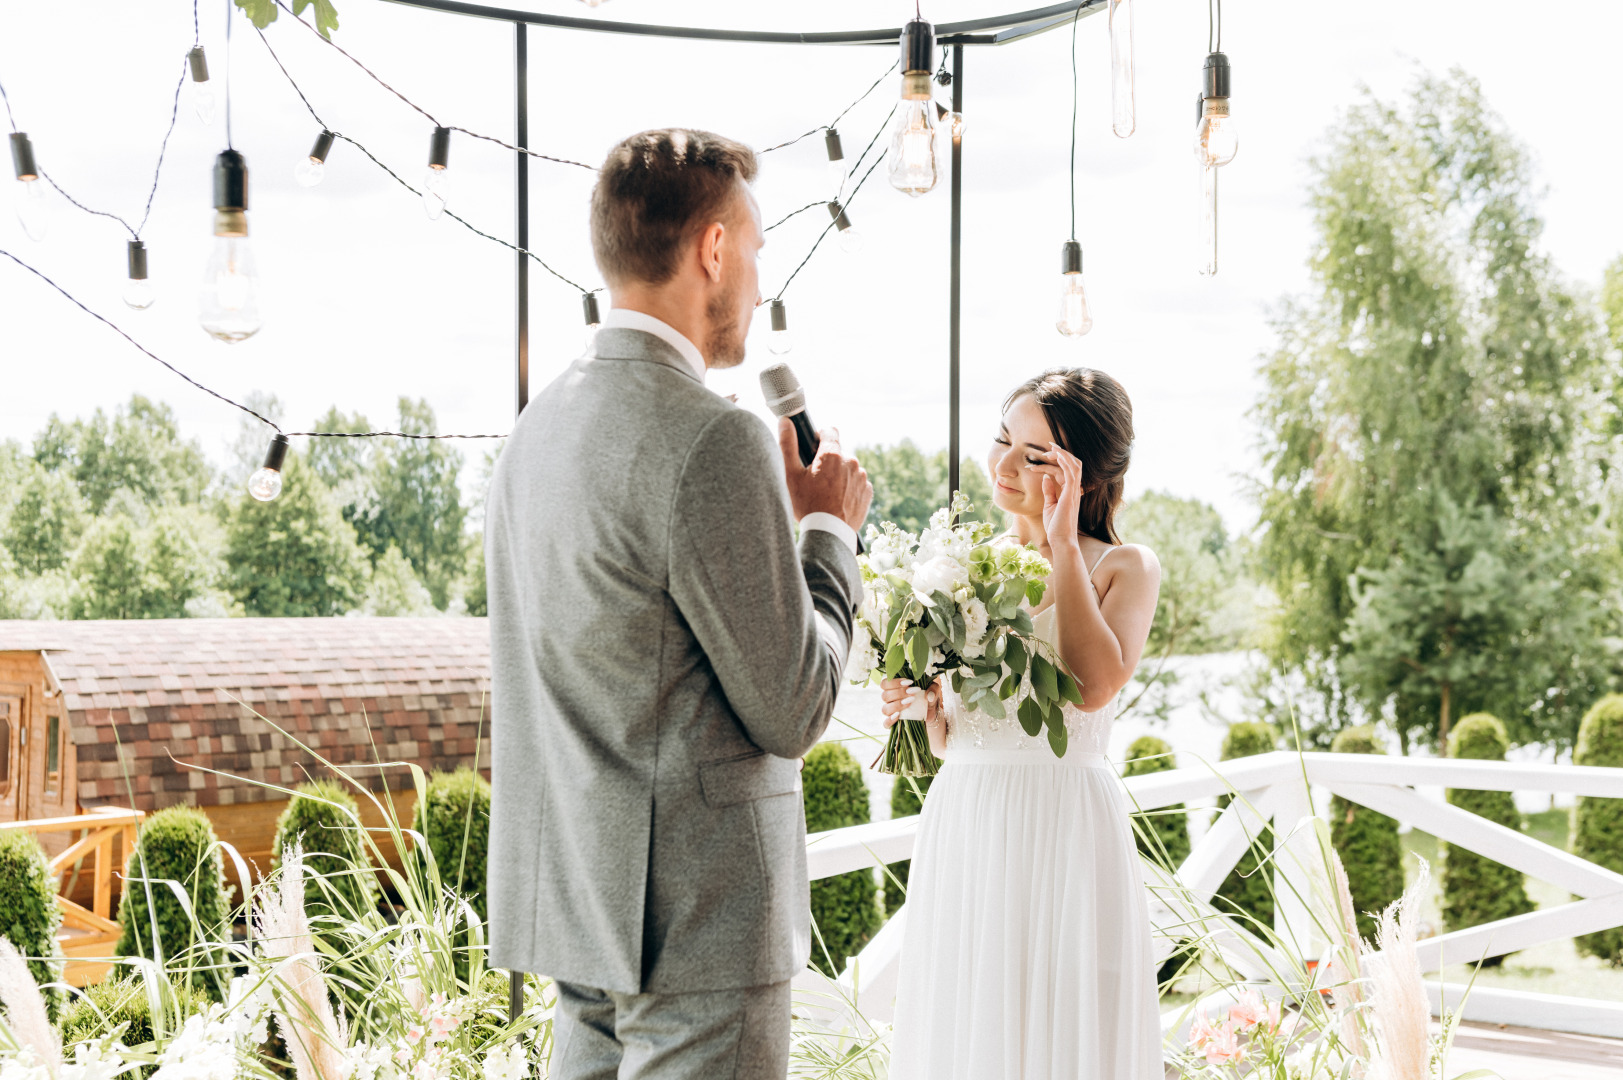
<point x="1277" y="790"/>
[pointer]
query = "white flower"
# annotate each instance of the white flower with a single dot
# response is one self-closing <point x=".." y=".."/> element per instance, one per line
<point x="92" y="1061"/>
<point x="24" y="1066"/>
<point x="203" y="1050"/>
<point x="363" y="1062"/>
<point x="247" y="1009"/>
<point x="975" y="619"/>
<point x="864" y="661"/>
<point x="513" y="1064"/>
<point x="940" y="574"/>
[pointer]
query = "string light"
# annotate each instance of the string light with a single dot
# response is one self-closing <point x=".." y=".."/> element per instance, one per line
<point x="953" y="121"/>
<point x="850" y="239"/>
<point x="914" y="167"/>
<point x="29" y="194"/>
<point x="778" y="342"/>
<point x="836" y="160"/>
<point x="137" y="290"/>
<point x="202" y="93"/>
<point x="1074" y="318"/>
<point x="1216" y="141"/>
<point x="588" y="303"/>
<point x="266" y="483"/>
<point x="1123" y="117"/>
<point x="313" y="166"/>
<point x="439" y="156"/>
<point x="229" y="298"/>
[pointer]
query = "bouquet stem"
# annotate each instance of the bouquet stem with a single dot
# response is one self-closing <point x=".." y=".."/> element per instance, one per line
<point x="907" y="752"/>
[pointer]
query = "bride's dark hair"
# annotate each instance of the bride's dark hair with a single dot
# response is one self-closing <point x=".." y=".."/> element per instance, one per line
<point x="1090" y="416"/>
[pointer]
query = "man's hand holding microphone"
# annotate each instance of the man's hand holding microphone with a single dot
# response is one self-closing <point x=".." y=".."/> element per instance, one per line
<point x="821" y="480"/>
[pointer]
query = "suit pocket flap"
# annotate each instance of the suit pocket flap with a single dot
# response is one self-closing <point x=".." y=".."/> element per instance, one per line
<point x="743" y="779"/>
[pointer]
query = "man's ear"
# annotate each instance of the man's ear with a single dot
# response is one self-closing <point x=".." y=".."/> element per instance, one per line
<point x="710" y="250"/>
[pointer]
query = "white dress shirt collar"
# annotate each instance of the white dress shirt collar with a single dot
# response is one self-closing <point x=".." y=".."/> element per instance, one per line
<point x="627" y="319"/>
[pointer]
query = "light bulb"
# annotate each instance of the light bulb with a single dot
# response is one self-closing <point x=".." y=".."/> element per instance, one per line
<point x="850" y="239"/>
<point x="229" y="297"/>
<point x="266" y="483"/>
<point x="1208" y="220"/>
<point x="836" y="161"/>
<point x="28" y="197"/>
<point x="1123" y="118"/>
<point x="313" y="166"/>
<point x="593" y="320"/>
<point x="913" y="165"/>
<point x="439" y="155"/>
<point x="202" y="94"/>
<point x="1216" y="141"/>
<point x="778" y="341"/>
<point x="953" y="122"/>
<point x="137" y="290"/>
<point x="1074" y="317"/>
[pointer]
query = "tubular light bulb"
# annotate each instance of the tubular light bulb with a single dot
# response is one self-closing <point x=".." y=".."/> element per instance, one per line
<point x="229" y="297"/>
<point x="1123" y="117"/>
<point x="266" y="483"/>
<point x="779" y="342"/>
<point x="137" y="290"/>
<point x="913" y="165"/>
<point x="1208" y="220"/>
<point x="313" y="166"/>
<point x="29" y="194"/>
<point x="202" y="93"/>
<point x="439" y="155"/>
<point x="1074" y="318"/>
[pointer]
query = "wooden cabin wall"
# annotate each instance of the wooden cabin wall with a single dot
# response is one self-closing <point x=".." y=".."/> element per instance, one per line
<point x="33" y="793"/>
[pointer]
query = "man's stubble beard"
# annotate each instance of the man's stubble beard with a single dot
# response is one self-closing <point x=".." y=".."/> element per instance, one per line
<point x="724" y="342"/>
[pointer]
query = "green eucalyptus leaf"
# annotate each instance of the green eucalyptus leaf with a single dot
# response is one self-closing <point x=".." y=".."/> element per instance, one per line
<point x="991" y="705"/>
<point x="1044" y="679"/>
<point x="1015" y="656"/>
<point x="1022" y="623"/>
<point x="1010" y="687"/>
<point x="1031" y="716"/>
<point x="918" y="652"/>
<point x="1057" y="738"/>
<point x="1069" y="690"/>
<point x="894" y="659"/>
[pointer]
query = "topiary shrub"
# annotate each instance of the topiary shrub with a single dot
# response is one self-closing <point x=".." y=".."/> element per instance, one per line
<point x="844" y="908"/>
<point x="122" y="999"/>
<point x="1367" y="842"/>
<point x="323" y="818"/>
<point x="177" y="844"/>
<point x="454" y="816"/>
<point x="1597" y="824"/>
<point x="1476" y="889"/>
<point x="29" y="913"/>
<point x="1162" y="834"/>
<point x="906" y="799"/>
<point x="1247" y="888"/>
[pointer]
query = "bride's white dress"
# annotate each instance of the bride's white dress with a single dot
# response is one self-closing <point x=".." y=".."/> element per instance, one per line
<point x="1026" y="953"/>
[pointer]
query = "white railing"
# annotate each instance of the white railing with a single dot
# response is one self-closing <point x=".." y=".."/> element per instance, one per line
<point x="1276" y="790"/>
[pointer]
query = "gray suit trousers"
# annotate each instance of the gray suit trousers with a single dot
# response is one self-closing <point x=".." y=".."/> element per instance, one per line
<point x="707" y="1035"/>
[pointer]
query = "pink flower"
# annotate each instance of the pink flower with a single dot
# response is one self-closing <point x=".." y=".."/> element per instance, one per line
<point x="414" y="1035"/>
<point x="1223" y="1046"/>
<point x="1201" y="1031"/>
<point x="1249" y="1011"/>
<point x="1274" y="1018"/>
<point x="442" y="1026"/>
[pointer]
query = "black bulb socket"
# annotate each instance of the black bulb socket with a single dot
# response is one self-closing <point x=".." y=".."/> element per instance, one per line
<point x="199" y="64"/>
<point x="837" y="212"/>
<point x="323" y="147"/>
<point x="832" y="141"/>
<point x="137" y="260"/>
<point x="918" y="48"/>
<point x="277" y="453"/>
<point x="230" y="181"/>
<point x="22" y="156"/>
<point x="588" y="303"/>
<point x="780" y="316"/>
<point x="439" y="148"/>
<point x="1215" y="76"/>
<point x="1070" y="258"/>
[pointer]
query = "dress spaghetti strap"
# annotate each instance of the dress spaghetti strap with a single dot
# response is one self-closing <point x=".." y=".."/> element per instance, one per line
<point x="1101" y="559"/>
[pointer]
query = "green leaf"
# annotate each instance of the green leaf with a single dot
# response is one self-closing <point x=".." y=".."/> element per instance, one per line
<point x="326" y="15"/>
<point x="957" y="682"/>
<point x="918" y="652"/>
<point x="1069" y="690"/>
<point x="1031" y="716"/>
<point x="990" y="704"/>
<point x="1015" y="654"/>
<point x="261" y="12"/>
<point x="1057" y="738"/>
<point x="1035" y="591"/>
<point x="995" y="649"/>
<point x="1022" y="623"/>
<point x="1010" y="687"/>
<point x="894" y="659"/>
<point x="1044" y="679"/>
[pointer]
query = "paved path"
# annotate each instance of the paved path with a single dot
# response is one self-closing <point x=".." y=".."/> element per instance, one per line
<point x="1528" y="1054"/>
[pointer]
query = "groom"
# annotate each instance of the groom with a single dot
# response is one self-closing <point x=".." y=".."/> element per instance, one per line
<point x="662" y="651"/>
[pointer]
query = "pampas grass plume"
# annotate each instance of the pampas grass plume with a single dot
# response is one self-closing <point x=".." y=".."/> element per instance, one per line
<point x="25" y="1008"/>
<point x="315" y="1037"/>
<point x="1398" y="991"/>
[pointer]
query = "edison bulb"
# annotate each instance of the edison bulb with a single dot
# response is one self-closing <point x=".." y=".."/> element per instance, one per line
<point x="1216" y="140"/>
<point x="29" y="196"/>
<point x="308" y="172"/>
<point x="913" y="165"/>
<point x="1074" y="318"/>
<point x="265" y="484"/>
<point x="850" y="241"/>
<point x="956" y="124"/>
<point x="434" y="193"/>
<point x="138" y="293"/>
<point x="230" y="294"/>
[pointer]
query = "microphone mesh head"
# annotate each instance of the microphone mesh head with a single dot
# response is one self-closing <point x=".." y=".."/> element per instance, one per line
<point x="784" y="395"/>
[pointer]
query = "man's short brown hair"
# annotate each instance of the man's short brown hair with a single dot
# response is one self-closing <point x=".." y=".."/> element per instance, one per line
<point x="654" y="190"/>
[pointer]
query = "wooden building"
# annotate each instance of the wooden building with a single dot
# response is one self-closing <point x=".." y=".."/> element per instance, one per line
<point x="152" y="713"/>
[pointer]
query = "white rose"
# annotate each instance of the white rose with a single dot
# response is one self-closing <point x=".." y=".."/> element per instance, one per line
<point x="864" y="660"/>
<point x="940" y="574"/>
<point x="975" y="618"/>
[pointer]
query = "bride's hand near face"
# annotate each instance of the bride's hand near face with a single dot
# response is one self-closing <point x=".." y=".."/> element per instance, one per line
<point x="1062" y="495"/>
<point x="896" y="694"/>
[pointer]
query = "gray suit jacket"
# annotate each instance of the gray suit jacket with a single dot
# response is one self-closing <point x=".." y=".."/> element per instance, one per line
<point x="661" y="655"/>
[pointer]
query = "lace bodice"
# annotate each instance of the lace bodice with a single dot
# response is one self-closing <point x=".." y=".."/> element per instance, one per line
<point x="969" y="732"/>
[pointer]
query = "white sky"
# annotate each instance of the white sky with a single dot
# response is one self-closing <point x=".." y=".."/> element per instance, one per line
<point x="365" y="299"/>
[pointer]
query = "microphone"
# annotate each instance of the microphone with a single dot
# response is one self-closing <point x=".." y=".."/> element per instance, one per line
<point x="785" y="397"/>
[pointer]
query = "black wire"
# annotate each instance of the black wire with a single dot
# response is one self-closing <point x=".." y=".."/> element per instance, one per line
<point x="846" y="204"/>
<point x="197" y="34"/>
<point x="794" y="213"/>
<point x="1074" y="20"/>
<point x="228" y="145"/>
<point x="1219" y="26"/>
<point x="1211" y="23"/>
<point x="836" y="121"/>
<point x="857" y="164"/>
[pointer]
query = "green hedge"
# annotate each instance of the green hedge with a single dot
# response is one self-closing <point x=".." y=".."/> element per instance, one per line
<point x="1247" y="887"/>
<point x="333" y="847"/>
<point x="1162" y="834"/>
<point x="1597" y="824"/>
<point x="844" y="908"/>
<point x="455" y="809"/>
<point x="29" y="913"/>
<point x="177" y="844"/>
<point x="1476" y="889"/>
<point x="122" y="999"/>
<point x="1367" y="842"/>
<point x="905" y="801"/>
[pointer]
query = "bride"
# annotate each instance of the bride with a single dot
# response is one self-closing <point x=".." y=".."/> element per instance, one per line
<point x="1026" y="954"/>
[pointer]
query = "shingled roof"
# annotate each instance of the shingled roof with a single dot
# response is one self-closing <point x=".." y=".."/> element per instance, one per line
<point x="173" y="691"/>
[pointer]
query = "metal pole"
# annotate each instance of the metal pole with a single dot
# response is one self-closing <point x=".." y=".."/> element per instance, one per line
<point x="953" y="450"/>
<point x="521" y="136"/>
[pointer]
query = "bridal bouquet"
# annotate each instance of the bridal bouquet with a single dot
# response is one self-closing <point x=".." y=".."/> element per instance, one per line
<point x="947" y="604"/>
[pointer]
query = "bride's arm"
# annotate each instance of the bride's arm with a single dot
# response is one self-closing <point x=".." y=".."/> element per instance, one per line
<point x="1100" y="642"/>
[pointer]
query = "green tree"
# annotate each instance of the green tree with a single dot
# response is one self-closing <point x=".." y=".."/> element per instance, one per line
<point x="124" y="570"/>
<point x="1163" y="834"/>
<point x="1367" y="842"/>
<point x="45" y="521"/>
<point x="418" y="503"/>
<point x="1440" y="362"/>
<point x="177" y="844"/>
<point x="844" y="908"/>
<point x="394" y="588"/>
<point x="454" y="818"/>
<point x="1476" y="889"/>
<point x="906" y="799"/>
<point x="294" y="556"/>
<point x="29" y="913"/>
<point x="1247" y="888"/>
<point x="323" y="820"/>
<point x="1597" y="824"/>
<point x="910" y="485"/>
<point x="344" y="465"/>
<point x="139" y="450"/>
<point x="1207" y="602"/>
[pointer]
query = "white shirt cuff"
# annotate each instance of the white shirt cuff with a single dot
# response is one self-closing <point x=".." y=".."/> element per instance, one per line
<point x="831" y="524"/>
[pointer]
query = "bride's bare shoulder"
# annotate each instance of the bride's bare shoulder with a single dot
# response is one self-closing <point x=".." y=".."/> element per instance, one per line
<point x="1135" y="561"/>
